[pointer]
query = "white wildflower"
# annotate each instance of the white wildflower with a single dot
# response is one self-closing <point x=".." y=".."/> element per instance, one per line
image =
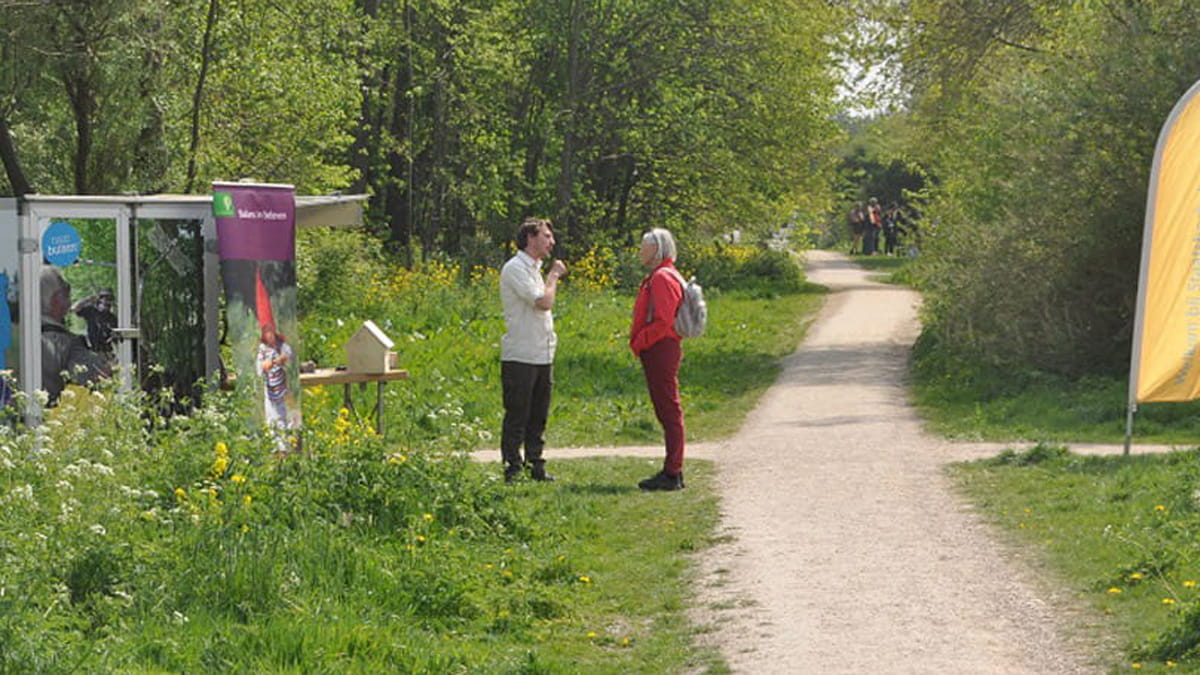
<point x="98" y="529"/>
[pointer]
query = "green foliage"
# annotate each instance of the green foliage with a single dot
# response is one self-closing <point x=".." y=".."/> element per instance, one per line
<point x="1119" y="531"/>
<point x="459" y="118"/>
<point x="1033" y="258"/>
<point x="725" y="267"/>
<point x="186" y="545"/>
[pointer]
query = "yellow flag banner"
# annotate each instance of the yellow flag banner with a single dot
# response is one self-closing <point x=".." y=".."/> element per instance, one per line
<point x="1164" y="363"/>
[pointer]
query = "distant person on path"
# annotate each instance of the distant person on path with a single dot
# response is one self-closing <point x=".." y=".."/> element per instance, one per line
<point x="857" y="218"/>
<point x="65" y="355"/>
<point x="527" y="348"/>
<point x="653" y="339"/>
<point x="893" y="227"/>
<point x="873" y="226"/>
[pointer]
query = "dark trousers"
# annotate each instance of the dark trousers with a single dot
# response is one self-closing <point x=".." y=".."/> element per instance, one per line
<point x="526" y="406"/>
<point x="661" y="365"/>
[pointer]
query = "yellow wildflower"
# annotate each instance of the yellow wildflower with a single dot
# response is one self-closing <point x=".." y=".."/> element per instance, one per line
<point x="1189" y="584"/>
<point x="1114" y="590"/>
<point x="428" y="517"/>
<point x="586" y="580"/>
<point x="237" y="478"/>
<point x="1160" y="507"/>
<point x="246" y="500"/>
<point x="222" y="449"/>
<point x="181" y="494"/>
<point x="219" y="465"/>
<point x="1168" y="601"/>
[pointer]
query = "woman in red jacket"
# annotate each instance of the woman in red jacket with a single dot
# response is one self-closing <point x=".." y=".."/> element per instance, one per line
<point x="653" y="339"/>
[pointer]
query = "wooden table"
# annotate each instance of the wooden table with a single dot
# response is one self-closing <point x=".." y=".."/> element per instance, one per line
<point x="324" y="376"/>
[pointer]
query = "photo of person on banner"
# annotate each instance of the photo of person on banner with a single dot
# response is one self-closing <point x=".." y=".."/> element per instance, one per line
<point x="273" y="357"/>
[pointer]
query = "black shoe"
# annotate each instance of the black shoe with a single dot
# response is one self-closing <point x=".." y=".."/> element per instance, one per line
<point x="512" y="472"/>
<point x="662" y="481"/>
<point x="538" y="473"/>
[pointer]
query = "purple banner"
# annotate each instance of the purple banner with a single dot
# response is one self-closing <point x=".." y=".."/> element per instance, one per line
<point x="255" y="222"/>
<point x="256" y="237"/>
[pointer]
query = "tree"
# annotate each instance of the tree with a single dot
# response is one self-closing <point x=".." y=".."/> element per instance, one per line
<point x="1043" y="167"/>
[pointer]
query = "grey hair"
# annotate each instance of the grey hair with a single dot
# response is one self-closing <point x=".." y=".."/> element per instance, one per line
<point x="664" y="244"/>
<point x="51" y="283"/>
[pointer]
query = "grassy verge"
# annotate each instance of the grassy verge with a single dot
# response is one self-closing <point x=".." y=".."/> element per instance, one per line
<point x="889" y="266"/>
<point x="1117" y="532"/>
<point x="971" y="403"/>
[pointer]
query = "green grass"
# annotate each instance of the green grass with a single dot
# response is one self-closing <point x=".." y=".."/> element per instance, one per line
<point x="973" y="403"/>
<point x="883" y="264"/>
<point x="1118" y="533"/>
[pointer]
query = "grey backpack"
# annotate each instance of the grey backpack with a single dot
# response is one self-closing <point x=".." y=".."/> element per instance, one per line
<point x="693" y="311"/>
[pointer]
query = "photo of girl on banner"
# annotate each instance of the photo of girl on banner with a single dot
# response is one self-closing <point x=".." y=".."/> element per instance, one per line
<point x="273" y="357"/>
<point x="256" y="238"/>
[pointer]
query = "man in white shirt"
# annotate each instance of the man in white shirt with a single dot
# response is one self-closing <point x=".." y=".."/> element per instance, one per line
<point x="527" y="349"/>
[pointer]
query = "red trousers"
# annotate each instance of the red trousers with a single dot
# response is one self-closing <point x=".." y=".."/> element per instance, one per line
<point x="661" y="364"/>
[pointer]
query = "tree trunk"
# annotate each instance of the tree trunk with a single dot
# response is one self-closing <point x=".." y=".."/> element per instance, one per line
<point x="198" y="95"/>
<point x="366" y="131"/>
<point x="12" y="163"/>
<point x="566" y="178"/>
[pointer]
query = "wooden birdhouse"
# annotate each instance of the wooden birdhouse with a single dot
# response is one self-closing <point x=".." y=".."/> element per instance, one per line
<point x="368" y="350"/>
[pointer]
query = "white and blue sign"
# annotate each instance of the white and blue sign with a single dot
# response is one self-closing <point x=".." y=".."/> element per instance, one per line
<point x="61" y="244"/>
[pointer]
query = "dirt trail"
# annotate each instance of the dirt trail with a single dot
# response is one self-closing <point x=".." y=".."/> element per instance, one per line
<point x="850" y="553"/>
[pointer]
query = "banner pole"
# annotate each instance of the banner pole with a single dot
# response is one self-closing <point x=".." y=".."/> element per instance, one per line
<point x="1129" y="411"/>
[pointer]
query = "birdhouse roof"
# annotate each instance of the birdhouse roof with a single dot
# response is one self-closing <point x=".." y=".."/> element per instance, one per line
<point x="370" y="329"/>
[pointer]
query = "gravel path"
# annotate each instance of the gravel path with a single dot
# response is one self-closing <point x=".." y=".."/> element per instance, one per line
<point x="849" y="551"/>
